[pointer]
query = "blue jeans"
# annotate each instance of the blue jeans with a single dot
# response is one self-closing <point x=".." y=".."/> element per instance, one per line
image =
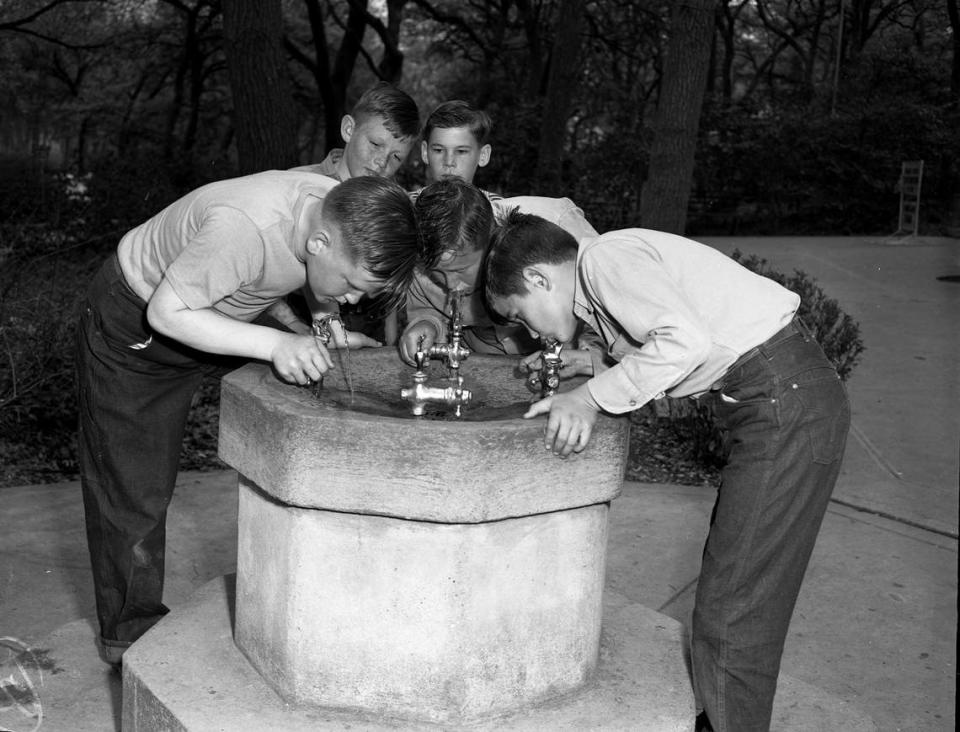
<point x="788" y="415"/>
<point x="134" y="389"/>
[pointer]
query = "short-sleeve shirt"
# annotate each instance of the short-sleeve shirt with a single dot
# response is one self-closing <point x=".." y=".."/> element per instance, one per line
<point x="327" y="167"/>
<point x="236" y="246"/>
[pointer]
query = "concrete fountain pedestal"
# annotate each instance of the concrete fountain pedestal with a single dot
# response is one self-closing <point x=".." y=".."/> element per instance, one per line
<point x="413" y="571"/>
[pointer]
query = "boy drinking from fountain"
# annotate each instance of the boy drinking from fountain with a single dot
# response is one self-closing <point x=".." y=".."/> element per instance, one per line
<point x="456" y="220"/>
<point x="683" y="320"/>
<point x="176" y="302"/>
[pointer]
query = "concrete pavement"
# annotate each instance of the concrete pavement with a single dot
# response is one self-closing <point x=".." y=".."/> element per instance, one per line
<point x="874" y="633"/>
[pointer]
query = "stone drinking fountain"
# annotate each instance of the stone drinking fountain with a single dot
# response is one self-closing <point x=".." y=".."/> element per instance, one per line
<point x="397" y="560"/>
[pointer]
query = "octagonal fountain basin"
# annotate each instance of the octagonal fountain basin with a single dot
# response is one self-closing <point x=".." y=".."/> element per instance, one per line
<point x="433" y="568"/>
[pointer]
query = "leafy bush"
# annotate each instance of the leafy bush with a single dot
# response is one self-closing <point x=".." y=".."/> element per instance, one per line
<point x="55" y="232"/>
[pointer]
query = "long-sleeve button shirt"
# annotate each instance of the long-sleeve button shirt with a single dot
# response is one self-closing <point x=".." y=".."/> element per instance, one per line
<point x="427" y="301"/>
<point x="674" y="314"/>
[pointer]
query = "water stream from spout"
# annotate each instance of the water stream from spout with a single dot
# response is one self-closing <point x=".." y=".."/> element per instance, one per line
<point x="344" y="359"/>
<point x="323" y="332"/>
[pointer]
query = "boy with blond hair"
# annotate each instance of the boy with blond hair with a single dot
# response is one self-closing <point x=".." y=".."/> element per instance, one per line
<point x="683" y="320"/>
<point x="378" y="135"/>
<point x="176" y="302"/>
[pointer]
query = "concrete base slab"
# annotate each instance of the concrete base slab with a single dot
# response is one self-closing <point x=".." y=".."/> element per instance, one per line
<point x="187" y="674"/>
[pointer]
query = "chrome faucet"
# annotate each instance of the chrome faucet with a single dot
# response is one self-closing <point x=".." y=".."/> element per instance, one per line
<point x="419" y="395"/>
<point x="453" y="353"/>
<point x="547" y="379"/>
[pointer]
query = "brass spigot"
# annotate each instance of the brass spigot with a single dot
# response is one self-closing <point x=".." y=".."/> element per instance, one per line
<point x="453" y="353"/>
<point x="323" y="333"/>
<point x="419" y="395"/>
<point x="547" y="379"/>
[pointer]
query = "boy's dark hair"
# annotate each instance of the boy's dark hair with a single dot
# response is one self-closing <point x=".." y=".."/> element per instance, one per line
<point x="379" y="230"/>
<point x="453" y="215"/>
<point x="397" y="108"/>
<point x="458" y="113"/>
<point x="523" y="240"/>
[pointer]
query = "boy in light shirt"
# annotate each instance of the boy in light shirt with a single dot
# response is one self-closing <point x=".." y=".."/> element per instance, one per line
<point x="683" y="320"/>
<point x="177" y="302"/>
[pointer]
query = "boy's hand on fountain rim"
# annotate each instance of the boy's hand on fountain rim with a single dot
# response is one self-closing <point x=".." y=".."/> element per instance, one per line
<point x="300" y="359"/>
<point x="410" y="341"/>
<point x="570" y="422"/>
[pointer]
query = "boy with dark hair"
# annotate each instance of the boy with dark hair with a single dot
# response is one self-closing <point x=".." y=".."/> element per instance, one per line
<point x="684" y="320"/>
<point x="456" y="220"/>
<point x="455" y="141"/>
<point x="378" y="135"/>
<point x="176" y="302"/>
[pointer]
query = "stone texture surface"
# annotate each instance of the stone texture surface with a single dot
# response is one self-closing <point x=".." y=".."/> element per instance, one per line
<point x="279" y="437"/>
<point x="438" y="622"/>
<point x="443" y="570"/>
<point x="188" y="674"/>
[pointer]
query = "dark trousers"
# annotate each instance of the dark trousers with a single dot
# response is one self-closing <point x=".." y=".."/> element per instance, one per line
<point x="135" y="389"/>
<point x="788" y="415"/>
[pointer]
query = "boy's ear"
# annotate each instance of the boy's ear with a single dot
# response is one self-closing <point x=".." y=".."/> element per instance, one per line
<point x="423" y="152"/>
<point x="347" y="125"/>
<point x="536" y="277"/>
<point x="484" y="155"/>
<point x="318" y="241"/>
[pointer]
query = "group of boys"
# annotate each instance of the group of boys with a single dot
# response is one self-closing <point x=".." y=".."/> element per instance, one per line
<point x="657" y="315"/>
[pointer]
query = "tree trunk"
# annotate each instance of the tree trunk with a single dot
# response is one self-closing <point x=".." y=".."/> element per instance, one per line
<point x="954" y="15"/>
<point x="666" y="192"/>
<point x="262" y="106"/>
<point x="350" y="46"/>
<point x="556" y="104"/>
<point x="390" y="67"/>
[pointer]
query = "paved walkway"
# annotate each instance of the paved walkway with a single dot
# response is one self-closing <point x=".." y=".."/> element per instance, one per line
<point x="874" y="633"/>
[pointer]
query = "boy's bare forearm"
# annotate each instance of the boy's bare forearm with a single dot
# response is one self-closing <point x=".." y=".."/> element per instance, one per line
<point x="212" y="332"/>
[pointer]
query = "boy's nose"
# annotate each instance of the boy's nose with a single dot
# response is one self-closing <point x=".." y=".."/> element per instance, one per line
<point x="448" y="160"/>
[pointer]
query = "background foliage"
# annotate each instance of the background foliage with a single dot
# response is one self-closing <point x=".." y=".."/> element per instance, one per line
<point x="113" y="108"/>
